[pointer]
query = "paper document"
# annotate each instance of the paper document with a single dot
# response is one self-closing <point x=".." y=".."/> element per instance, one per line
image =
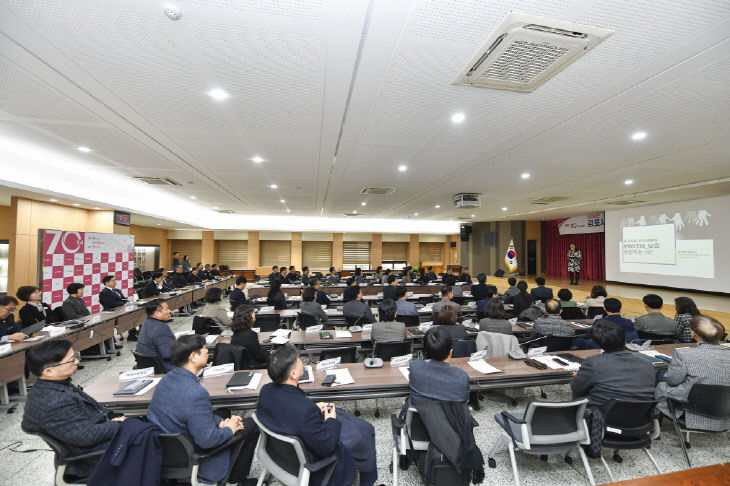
<point x="406" y="372"/>
<point x="650" y="352"/>
<point x="252" y="385"/>
<point x="343" y="376"/>
<point x="34" y="338"/>
<point x="149" y="387"/>
<point x="281" y="332"/>
<point x="343" y="334"/>
<point x="211" y="338"/>
<point x="483" y="367"/>
<point x="279" y="340"/>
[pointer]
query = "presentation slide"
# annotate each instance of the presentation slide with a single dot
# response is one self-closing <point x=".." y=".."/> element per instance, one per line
<point x="671" y="245"/>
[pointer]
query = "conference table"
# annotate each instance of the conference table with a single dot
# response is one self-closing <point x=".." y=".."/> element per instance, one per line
<point x="369" y="383"/>
<point x="296" y="289"/>
<point x="96" y="329"/>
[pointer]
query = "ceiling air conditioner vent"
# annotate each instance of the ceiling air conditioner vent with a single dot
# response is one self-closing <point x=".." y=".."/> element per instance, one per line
<point x="378" y="191"/>
<point x="527" y="50"/>
<point x="625" y="202"/>
<point x="157" y="181"/>
<point x="467" y="200"/>
<point x="226" y="211"/>
<point x="352" y="214"/>
<point x="548" y="200"/>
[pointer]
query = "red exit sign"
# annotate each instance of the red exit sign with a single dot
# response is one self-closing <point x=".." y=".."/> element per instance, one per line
<point x="124" y="219"/>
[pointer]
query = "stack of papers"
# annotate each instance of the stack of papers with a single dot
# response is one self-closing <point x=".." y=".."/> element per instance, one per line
<point x="343" y="334"/>
<point x="280" y="336"/>
<point x="266" y="308"/>
<point x="343" y="376"/>
<point x="483" y="367"/>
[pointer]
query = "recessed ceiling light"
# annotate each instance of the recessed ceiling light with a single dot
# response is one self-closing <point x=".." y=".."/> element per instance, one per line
<point x="402" y="168"/>
<point x="97" y="208"/>
<point x="274" y="186"/>
<point x="638" y="136"/>
<point x="53" y="200"/>
<point x="458" y="117"/>
<point x="159" y="224"/>
<point x="218" y="94"/>
<point x="473" y="215"/>
<point x="364" y="203"/>
<point x="628" y="182"/>
<point x="282" y="200"/>
<point x="525" y="175"/>
<point x="288" y="210"/>
<point x="354" y="211"/>
<point x="83" y="149"/>
<point x="76" y="204"/>
<point x="504" y="208"/>
<point x="193" y="197"/>
<point x="257" y="159"/>
<point x="415" y="214"/>
<point x="437" y="206"/>
<point x="216" y="207"/>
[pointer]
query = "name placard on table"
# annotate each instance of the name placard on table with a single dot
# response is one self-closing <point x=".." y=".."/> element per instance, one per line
<point x="132" y="375"/>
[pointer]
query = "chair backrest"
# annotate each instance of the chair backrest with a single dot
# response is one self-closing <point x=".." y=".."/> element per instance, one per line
<point x="177" y="453"/>
<point x="595" y="311"/>
<point x="558" y="343"/>
<point x="231" y="353"/>
<point x="555" y="422"/>
<point x="426" y="300"/>
<point x="205" y="325"/>
<point x="386" y="351"/>
<point x="709" y="400"/>
<point x="282" y="455"/>
<point x="149" y="361"/>
<point x="137" y="273"/>
<point x="60" y="451"/>
<point x="629" y="418"/>
<point x="346" y="354"/>
<point x="464" y="348"/>
<point x="409" y="321"/>
<point x="306" y="320"/>
<point x="460" y="300"/>
<point x="352" y="320"/>
<point x="268" y="322"/>
<point x="656" y="338"/>
<point x="59" y="315"/>
<point x="416" y="430"/>
<point x="572" y="313"/>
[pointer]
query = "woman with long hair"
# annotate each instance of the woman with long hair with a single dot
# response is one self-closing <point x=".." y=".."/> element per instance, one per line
<point x="244" y="320"/>
<point x="686" y="309"/>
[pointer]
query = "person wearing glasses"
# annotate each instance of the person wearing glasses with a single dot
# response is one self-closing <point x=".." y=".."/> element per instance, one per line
<point x="34" y="310"/>
<point x="9" y="329"/>
<point x="57" y="408"/>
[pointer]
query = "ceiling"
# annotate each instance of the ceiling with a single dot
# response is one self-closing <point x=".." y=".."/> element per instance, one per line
<point x="335" y="95"/>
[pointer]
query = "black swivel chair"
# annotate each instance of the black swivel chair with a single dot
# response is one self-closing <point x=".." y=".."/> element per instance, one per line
<point x="558" y="343"/>
<point x="656" y="338"/>
<point x="463" y="348"/>
<point x="386" y="351"/>
<point x="569" y="313"/>
<point x="181" y="459"/>
<point x="62" y="457"/>
<point x="268" y="322"/>
<point x="409" y="321"/>
<point x="306" y="320"/>
<point x="595" y="311"/>
<point x="149" y="361"/>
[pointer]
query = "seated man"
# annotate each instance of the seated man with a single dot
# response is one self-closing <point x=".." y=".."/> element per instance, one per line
<point x="323" y="429"/>
<point x="435" y="379"/>
<point x="193" y="416"/>
<point x="155" y="338"/>
<point x="205" y="272"/>
<point x="431" y="275"/>
<point x="708" y="363"/>
<point x="355" y="307"/>
<point x="61" y="410"/>
<point x="450" y="278"/>
<point x="541" y="292"/>
<point x="612" y="307"/>
<point x="194" y="277"/>
<point x="74" y="306"/>
<point x="615" y="373"/>
<point x="179" y="280"/>
<point x="305" y="276"/>
<point x="9" y="329"/>
<point x="111" y="297"/>
<point x="491" y="293"/>
<point x="321" y="297"/>
<point x="238" y="296"/>
<point x="512" y="290"/>
<point x="386" y="274"/>
<point x="310" y="307"/>
<point x="465" y="275"/>
<point x="274" y="275"/>
<point x="447" y="293"/>
<point x="389" y="288"/>
<point x="214" y="270"/>
<point x="388" y="329"/>
<point x="404" y="307"/>
<point x="479" y="290"/>
<point x="292" y="275"/>
<point x="565" y="296"/>
<point x="654" y="321"/>
<point x="332" y="278"/>
<point x="552" y="323"/>
<point x="167" y="285"/>
<point x="153" y="287"/>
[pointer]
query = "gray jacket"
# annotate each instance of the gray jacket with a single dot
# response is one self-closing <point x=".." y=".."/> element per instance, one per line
<point x="496" y="344"/>
<point x="705" y="364"/>
<point x="495" y="325"/>
<point x="388" y="332"/>
<point x="74" y="307"/>
<point x="656" y="323"/>
<point x="358" y="308"/>
<point x="332" y="279"/>
<point x="314" y="309"/>
<point x="436" y="308"/>
<point x="218" y="311"/>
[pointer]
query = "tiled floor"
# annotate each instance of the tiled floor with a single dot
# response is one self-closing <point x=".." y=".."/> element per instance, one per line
<point x="36" y="468"/>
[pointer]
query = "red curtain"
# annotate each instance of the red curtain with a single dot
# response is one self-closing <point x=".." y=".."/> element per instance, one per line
<point x="592" y="266"/>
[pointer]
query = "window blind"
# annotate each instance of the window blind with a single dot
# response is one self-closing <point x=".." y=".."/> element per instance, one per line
<point x="233" y="253"/>
<point x="356" y="254"/>
<point x="395" y="251"/>
<point x="431" y="253"/>
<point x="317" y="255"/>
<point x="275" y="252"/>
<point x="191" y="248"/>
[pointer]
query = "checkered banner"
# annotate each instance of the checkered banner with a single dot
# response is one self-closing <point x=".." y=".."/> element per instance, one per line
<point x="76" y="256"/>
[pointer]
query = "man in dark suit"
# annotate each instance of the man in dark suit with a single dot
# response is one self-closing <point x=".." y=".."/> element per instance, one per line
<point x="389" y="290"/>
<point x="194" y="277"/>
<point x="57" y="408"/>
<point x="274" y="273"/>
<point x="156" y="337"/>
<point x="323" y="429"/>
<point x="167" y="285"/>
<point x="9" y="329"/>
<point x="175" y="259"/>
<point x="354" y="306"/>
<point x="111" y="297"/>
<point x="321" y="297"/>
<point x="178" y="279"/>
<point x="153" y="287"/>
<point x="450" y="278"/>
<point x="305" y="276"/>
<point x="541" y="292"/>
<point x="431" y="275"/>
<point x="214" y="270"/>
<point x="332" y="278"/>
<point x="654" y="321"/>
<point x="465" y="275"/>
<point x="194" y="415"/>
<point x="237" y="296"/>
<point x="291" y="277"/>
<point x="205" y="272"/>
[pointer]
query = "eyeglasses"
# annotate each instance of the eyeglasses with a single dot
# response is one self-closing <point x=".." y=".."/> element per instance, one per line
<point x="10" y="309"/>
<point x="77" y="357"/>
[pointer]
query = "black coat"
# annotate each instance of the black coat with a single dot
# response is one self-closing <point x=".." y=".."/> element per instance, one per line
<point x="30" y="315"/>
<point x="250" y="340"/>
<point x="179" y="281"/>
<point x="110" y="298"/>
<point x="150" y="290"/>
<point x="278" y="300"/>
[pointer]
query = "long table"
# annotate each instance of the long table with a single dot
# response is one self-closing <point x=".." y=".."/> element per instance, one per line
<point x="97" y="328"/>
<point x="292" y="290"/>
<point x="370" y="383"/>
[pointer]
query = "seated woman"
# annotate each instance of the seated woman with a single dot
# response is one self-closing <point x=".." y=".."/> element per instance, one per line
<point x="705" y="364"/>
<point x="310" y="307"/>
<point x="598" y="295"/>
<point x="686" y="310"/>
<point x="479" y="290"/>
<point x="275" y="296"/>
<point x="447" y="320"/>
<point x="388" y="329"/>
<point x="244" y="320"/>
<point x="565" y="296"/>
<point x="34" y="310"/>
<point x="323" y="429"/>
<point x="495" y="321"/>
<point x="522" y="300"/>
<point x="214" y="308"/>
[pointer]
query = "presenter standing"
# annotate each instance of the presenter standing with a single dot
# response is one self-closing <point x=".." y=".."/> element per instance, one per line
<point x="574" y="257"/>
